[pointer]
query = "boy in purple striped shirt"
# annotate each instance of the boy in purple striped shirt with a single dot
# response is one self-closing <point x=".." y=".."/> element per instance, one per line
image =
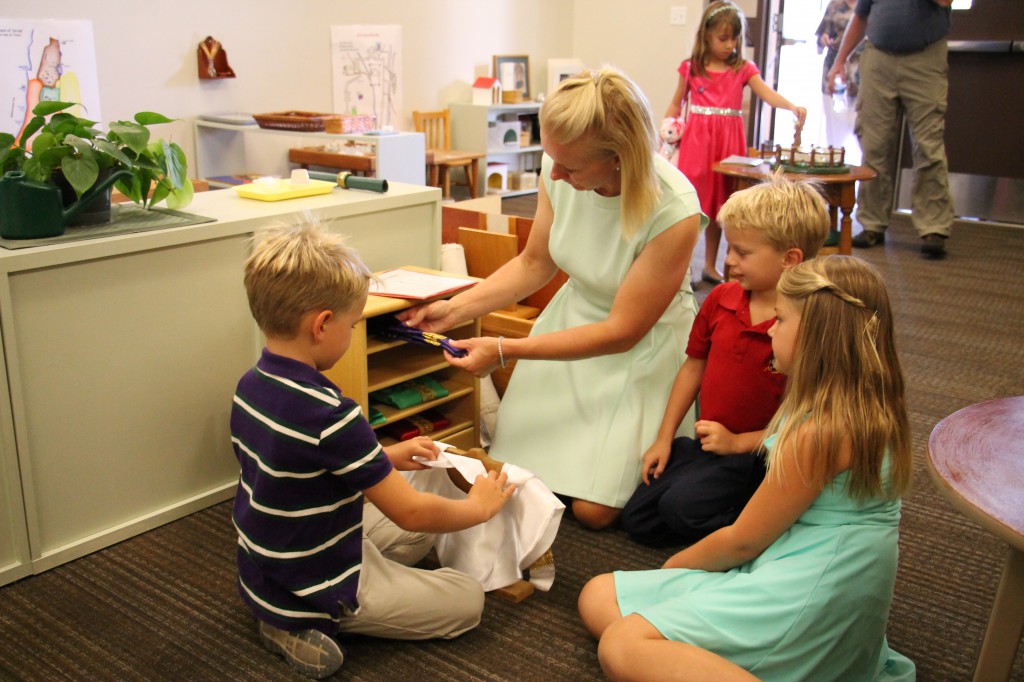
<point x="313" y="559"/>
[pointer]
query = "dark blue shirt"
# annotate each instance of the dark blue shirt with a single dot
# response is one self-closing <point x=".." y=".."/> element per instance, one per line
<point x="903" y="26"/>
<point x="306" y="454"/>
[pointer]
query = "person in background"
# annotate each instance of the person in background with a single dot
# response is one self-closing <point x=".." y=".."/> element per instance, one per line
<point x="829" y="34"/>
<point x="903" y="71"/>
<point x="692" y="487"/>
<point x="800" y="587"/>
<point x="313" y="559"/>
<point x="712" y="81"/>
<point x="591" y="380"/>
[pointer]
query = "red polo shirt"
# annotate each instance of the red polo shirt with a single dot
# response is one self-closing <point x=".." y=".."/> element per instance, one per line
<point x="737" y="389"/>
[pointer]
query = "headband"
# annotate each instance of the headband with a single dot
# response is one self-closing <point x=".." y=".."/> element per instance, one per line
<point x="720" y="9"/>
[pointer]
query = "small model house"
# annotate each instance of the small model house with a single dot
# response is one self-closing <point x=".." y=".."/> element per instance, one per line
<point x="486" y="91"/>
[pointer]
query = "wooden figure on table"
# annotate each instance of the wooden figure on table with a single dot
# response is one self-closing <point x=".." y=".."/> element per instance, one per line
<point x="213" y="60"/>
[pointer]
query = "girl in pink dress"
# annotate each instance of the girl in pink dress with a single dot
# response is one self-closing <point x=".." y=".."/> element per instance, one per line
<point x="713" y="79"/>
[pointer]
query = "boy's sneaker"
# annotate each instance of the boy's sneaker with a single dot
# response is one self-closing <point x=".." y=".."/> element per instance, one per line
<point x="933" y="245"/>
<point x="866" y="239"/>
<point x="310" y="652"/>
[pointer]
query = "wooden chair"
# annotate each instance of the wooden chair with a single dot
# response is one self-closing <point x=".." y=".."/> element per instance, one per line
<point x="441" y="158"/>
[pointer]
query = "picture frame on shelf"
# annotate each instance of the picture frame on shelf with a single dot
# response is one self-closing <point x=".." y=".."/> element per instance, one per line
<point x="513" y="72"/>
<point x="560" y="69"/>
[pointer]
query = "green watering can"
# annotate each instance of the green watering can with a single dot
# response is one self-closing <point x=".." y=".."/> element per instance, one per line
<point x="33" y="210"/>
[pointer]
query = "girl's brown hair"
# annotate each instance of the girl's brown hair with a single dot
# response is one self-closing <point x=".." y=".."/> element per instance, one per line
<point x="718" y="13"/>
<point x="845" y="384"/>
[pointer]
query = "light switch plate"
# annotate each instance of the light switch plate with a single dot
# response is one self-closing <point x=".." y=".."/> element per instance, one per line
<point x="677" y="15"/>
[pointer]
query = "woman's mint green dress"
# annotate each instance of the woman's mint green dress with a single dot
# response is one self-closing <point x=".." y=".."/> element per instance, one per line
<point x="583" y="425"/>
<point x="813" y="606"/>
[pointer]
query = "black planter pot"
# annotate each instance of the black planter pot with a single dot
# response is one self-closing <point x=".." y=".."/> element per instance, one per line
<point x="96" y="211"/>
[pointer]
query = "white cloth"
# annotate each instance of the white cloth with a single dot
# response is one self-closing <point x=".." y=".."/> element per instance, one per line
<point x="496" y="552"/>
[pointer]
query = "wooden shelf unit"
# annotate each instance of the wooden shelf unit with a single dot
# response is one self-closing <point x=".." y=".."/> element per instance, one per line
<point x="372" y="363"/>
<point x="469" y="132"/>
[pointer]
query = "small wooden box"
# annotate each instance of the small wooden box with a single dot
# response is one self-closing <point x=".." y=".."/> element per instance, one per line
<point x="350" y="123"/>
<point x="511" y="96"/>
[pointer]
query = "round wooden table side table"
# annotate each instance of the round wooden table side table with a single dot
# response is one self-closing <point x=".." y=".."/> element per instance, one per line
<point x="976" y="458"/>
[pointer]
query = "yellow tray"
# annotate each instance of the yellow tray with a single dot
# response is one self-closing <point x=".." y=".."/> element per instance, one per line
<point x="274" y="189"/>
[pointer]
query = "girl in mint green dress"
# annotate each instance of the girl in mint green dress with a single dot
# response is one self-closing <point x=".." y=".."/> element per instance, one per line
<point x="799" y="588"/>
<point x="591" y="380"/>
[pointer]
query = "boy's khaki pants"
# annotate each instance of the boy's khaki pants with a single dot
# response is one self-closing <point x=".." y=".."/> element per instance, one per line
<point x="400" y="602"/>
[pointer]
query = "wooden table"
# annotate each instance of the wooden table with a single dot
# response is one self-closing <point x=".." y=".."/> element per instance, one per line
<point x="976" y="458"/>
<point x="839" y="190"/>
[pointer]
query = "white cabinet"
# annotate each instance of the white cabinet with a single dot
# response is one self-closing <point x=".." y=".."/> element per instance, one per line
<point x="226" y="149"/>
<point x="120" y="357"/>
<point x="482" y="128"/>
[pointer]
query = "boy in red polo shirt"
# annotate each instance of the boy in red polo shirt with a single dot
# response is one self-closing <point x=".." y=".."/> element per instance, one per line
<point x="692" y="487"/>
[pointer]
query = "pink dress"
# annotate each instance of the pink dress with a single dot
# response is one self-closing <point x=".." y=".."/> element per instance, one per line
<point x="709" y="138"/>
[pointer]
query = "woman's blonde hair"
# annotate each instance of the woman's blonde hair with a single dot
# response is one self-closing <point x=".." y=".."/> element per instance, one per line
<point x="298" y="268"/>
<point x="717" y="14"/>
<point x="846" y="377"/>
<point x="607" y="111"/>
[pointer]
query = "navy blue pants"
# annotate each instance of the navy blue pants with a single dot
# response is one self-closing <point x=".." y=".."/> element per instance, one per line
<point x="698" y="493"/>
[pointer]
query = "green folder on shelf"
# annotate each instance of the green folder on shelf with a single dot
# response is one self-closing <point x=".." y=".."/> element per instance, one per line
<point x="410" y="393"/>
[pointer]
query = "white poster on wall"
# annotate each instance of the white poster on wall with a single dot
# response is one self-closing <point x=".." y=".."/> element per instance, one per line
<point x="367" y="63"/>
<point x="46" y="60"/>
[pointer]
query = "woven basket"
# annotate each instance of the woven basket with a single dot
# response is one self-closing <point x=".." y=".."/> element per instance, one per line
<point x="302" y="121"/>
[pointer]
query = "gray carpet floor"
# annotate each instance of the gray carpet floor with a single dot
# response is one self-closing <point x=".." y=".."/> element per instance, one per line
<point x="163" y="605"/>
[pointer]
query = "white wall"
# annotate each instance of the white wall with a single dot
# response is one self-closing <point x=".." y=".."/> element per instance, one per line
<point x="280" y="49"/>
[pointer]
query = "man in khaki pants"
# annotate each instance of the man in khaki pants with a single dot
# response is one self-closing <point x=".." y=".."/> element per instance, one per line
<point x="903" y="70"/>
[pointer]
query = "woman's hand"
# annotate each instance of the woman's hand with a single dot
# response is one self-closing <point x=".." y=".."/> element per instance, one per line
<point x="432" y="317"/>
<point x="482" y="357"/>
<point x="401" y="454"/>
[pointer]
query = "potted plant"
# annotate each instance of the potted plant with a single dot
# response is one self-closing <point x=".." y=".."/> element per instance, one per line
<point x="70" y="146"/>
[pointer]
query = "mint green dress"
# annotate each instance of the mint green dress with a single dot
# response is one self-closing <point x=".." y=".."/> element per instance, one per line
<point x="813" y="606"/>
<point x="583" y="425"/>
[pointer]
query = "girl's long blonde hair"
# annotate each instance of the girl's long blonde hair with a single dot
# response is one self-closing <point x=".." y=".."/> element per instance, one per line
<point x="607" y="111"/>
<point x="717" y="14"/>
<point x="846" y="377"/>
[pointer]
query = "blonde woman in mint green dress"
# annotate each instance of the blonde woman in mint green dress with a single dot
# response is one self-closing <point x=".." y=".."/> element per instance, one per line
<point x="799" y="588"/>
<point x="592" y="379"/>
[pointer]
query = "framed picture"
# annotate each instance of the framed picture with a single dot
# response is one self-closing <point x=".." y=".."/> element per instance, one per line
<point x="560" y="69"/>
<point x="513" y="72"/>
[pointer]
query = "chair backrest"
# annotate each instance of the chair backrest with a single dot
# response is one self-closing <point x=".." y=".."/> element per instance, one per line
<point x="436" y="128"/>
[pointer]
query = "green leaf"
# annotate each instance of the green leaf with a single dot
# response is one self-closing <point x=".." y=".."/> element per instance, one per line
<point x="160" y="192"/>
<point x="81" y="172"/>
<point x="111" y="149"/>
<point x="147" y="118"/>
<point x="130" y="187"/>
<point x="35" y="124"/>
<point x="182" y="197"/>
<point x="177" y="164"/>
<point x="42" y="142"/>
<point x="79" y="144"/>
<point x="131" y="134"/>
<point x="47" y="107"/>
<point x="51" y="157"/>
<point x="34" y="170"/>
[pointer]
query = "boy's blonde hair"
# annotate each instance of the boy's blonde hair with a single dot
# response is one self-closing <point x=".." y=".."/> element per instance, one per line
<point x="784" y="212"/>
<point x="295" y="269"/>
<point x="845" y="382"/>
<point x="613" y="115"/>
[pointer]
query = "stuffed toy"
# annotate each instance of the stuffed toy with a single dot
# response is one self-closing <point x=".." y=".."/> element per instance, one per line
<point x="670" y="132"/>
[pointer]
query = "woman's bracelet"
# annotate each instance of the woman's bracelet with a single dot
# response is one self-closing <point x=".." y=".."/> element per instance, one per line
<point x="501" y="356"/>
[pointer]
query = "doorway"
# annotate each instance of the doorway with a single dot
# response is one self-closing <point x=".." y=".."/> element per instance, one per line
<point x="829" y="118"/>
